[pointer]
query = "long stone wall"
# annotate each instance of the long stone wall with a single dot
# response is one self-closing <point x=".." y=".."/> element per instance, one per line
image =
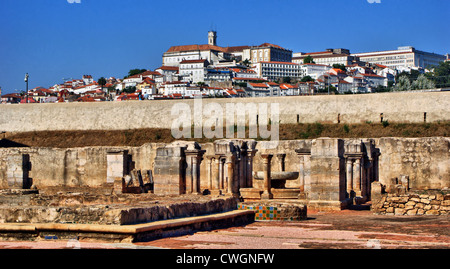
<point x="394" y="107"/>
<point x="425" y="161"/>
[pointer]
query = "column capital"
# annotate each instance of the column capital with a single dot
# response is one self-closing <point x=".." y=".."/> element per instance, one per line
<point x="267" y="156"/>
<point x="251" y="152"/>
<point x="230" y="158"/>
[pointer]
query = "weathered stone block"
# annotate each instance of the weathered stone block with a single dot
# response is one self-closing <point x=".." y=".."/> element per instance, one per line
<point x="399" y="211"/>
<point x="432" y="212"/>
<point x="412" y="212"/>
<point x="116" y="165"/>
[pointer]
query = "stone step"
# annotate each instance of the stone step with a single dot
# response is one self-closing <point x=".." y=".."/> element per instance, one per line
<point x="125" y="233"/>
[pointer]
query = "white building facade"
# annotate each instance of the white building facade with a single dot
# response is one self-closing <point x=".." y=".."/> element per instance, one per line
<point x="276" y="70"/>
<point x="403" y="58"/>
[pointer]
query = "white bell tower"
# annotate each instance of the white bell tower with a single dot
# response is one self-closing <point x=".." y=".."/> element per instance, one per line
<point x="212" y="38"/>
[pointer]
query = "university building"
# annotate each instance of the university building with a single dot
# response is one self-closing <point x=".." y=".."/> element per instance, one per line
<point x="402" y="58"/>
<point x="327" y="57"/>
<point x="271" y="70"/>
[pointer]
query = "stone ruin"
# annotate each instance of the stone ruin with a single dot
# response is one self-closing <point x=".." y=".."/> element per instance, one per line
<point x="328" y="173"/>
<point x="323" y="174"/>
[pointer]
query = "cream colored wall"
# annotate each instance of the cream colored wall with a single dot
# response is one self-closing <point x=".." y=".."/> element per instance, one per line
<point x="396" y="107"/>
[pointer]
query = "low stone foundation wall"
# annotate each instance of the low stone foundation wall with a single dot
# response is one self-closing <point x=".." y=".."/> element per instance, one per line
<point x="281" y="211"/>
<point x="109" y="210"/>
<point x="434" y="203"/>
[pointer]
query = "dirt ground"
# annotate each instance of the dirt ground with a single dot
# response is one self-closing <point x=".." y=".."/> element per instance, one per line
<point x="347" y="229"/>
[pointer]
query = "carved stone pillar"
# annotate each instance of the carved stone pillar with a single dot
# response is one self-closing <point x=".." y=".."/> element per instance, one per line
<point x="250" y="156"/>
<point x="302" y="153"/>
<point x="216" y="178"/>
<point x="209" y="171"/>
<point x="357" y="177"/>
<point x="281" y="157"/>
<point x="231" y="175"/>
<point x="194" y="157"/>
<point x="349" y="176"/>
<point x="267" y="158"/>
<point x="222" y="174"/>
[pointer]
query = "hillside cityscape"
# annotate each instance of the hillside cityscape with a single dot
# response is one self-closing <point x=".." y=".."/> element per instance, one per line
<point x="212" y="71"/>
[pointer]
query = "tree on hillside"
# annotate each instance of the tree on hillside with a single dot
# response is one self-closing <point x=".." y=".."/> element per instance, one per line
<point x="339" y="66"/>
<point x="133" y="72"/>
<point x="422" y="82"/>
<point x="102" y="82"/>
<point x="412" y="76"/>
<point x="441" y="75"/>
<point x="307" y="78"/>
<point x="308" y="60"/>
<point x="246" y="62"/>
<point x="403" y="84"/>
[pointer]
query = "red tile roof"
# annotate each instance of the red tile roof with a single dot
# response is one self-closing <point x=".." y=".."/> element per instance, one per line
<point x="270" y="45"/>
<point x="195" y="47"/>
<point x="171" y="68"/>
<point x="287" y="86"/>
<point x="259" y="85"/>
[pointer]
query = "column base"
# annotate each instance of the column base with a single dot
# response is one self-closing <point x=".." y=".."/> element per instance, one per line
<point x="215" y="192"/>
<point x="266" y="196"/>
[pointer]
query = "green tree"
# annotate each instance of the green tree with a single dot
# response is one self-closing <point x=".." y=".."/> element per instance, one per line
<point x="133" y="72"/>
<point x="441" y="75"/>
<point x="307" y="78"/>
<point x="129" y="89"/>
<point x="102" y="82"/>
<point x="423" y="82"/>
<point x="308" y="60"/>
<point x="403" y="84"/>
<point x="246" y="62"/>
<point x="339" y="66"/>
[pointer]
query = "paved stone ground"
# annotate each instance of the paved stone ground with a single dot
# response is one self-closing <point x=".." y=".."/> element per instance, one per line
<point x="348" y="229"/>
<point x="339" y="230"/>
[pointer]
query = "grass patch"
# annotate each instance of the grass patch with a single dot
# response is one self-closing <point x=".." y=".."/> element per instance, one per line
<point x="138" y="137"/>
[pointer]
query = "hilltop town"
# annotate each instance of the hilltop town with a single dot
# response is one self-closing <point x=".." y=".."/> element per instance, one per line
<point x="212" y="71"/>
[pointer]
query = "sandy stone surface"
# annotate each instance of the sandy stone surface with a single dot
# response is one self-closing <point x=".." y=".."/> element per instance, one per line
<point x="333" y="230"/>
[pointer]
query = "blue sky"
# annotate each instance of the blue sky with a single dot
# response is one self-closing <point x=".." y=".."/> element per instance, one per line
<point x="53" y="39"/>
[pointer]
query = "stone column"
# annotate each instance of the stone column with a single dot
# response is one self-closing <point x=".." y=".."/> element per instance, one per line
<point x="302" y="172"/>
<point x="250" y="155"/>
<point x="195" y="176"/>
<point x="231" y="175"/>
<point x="221" y="174"/>
<point x="209" y="168"/>
<point x="267" y="158"/>
<point x="302" y="153"/>
<point x="240" y="165"/>
<point x="349" y="176"/>
<point x="194" y="157"/>
<point x="216" y="178"/>
<point x="357" y="177"/>
<point x="281" y="157"/>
